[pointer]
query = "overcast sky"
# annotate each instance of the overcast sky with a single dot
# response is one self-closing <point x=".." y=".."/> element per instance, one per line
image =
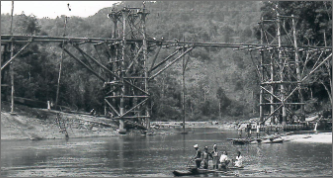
<point x="52" y="9"/>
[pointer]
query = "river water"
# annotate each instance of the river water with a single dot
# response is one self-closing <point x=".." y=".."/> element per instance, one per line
<point x="135" y="155"/>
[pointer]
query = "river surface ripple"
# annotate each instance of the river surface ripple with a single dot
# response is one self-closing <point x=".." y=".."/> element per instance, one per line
<point x="158" y="156"/>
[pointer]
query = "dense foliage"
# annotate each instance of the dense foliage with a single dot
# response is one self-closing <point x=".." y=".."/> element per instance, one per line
<point x="219" y="82"/>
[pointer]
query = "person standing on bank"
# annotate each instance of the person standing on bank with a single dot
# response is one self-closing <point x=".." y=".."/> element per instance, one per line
<point x="240" y="131"/>
<point x="250" y="130"/>
<point x="258" y="130"/>
<point x="197" y="157"/>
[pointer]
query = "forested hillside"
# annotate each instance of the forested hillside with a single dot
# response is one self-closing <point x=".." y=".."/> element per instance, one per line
<point x="215" y="77"/>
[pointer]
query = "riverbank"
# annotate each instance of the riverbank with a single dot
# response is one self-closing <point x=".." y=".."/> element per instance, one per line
<point x="325" y="137"/>
<point x="21" y="127"/>
<point x="40" y="124"/>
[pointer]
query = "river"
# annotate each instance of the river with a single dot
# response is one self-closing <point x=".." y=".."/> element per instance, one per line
<point x="158" y="156"/>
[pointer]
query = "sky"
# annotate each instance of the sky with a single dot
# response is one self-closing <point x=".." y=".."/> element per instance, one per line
<point x="52" y="9"/>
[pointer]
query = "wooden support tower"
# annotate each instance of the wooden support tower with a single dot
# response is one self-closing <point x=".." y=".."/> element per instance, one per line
<point x="278" y="92"/>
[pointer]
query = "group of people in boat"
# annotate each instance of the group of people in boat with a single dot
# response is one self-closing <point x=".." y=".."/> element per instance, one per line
<point x="219" y="160"/>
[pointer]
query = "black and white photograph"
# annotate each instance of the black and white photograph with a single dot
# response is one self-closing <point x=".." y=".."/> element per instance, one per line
<point x="166" y="88"/>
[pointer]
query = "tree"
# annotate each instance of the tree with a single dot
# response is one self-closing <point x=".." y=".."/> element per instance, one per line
<point x="224" y="101"/>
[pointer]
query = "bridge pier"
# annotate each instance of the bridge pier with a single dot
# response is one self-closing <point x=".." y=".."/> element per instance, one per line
<point x="122" y="129"/>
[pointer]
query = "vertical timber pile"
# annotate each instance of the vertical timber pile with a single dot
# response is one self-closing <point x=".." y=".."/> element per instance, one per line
<point x="11" y="70"/>
<point x="60" y="65"/>
<point x="284" y="114"/>
<point x="115" y="54"/>
<point x="261" y="71"/>
<point x="145" y="62"/>
<point x="298" y="71"/>
<point x="184" y="112"/>
<point x="271" y="101"/>
<point x="122" y="72"/>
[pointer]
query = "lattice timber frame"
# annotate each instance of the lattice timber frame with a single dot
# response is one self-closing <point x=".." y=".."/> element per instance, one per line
<point x="284" y="72"/>
<point x="129" y="73"/>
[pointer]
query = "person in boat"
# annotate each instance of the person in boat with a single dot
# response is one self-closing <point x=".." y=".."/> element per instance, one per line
<point x="224" y="160"/>
<point x="238" y="162"/>
<point x="215" y="155"/>
<point x="205" y="157"/>
<point x="197" y="158"/>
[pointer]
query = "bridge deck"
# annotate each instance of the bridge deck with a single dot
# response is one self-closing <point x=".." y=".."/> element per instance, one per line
<point x="5" y="39"/>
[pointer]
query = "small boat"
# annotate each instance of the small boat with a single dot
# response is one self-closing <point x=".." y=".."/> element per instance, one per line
<point x="196" y="171"/>
<point x="273" y="140"/>
<point x="241" y="141"/>
<point x="184" y="132"/>
<point x="192" y="172"/>
<point x="278" y="140"/>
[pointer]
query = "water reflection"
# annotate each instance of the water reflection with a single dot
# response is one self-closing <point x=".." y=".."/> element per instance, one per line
<point x="134" y="155"/>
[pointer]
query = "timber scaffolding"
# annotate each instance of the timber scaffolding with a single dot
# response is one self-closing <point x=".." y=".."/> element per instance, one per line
<point x="128" y="74"/>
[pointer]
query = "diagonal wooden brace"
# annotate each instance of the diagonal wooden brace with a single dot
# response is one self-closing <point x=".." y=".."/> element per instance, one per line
<point x="106" y="69"/>
<point x="292" y="92"/>
<point x="112" y="107"/>
<point x="270" y="93"/>
<point x="155" y="57"/>
<point x="162" y="62"/>
<point x="172" y="62"/>
<point x="312" y="71"/>
<point x="142" y="102"/>
<point x="273" y="113"/>
<point x="85" y="65"/>
<point x="134" y="60"/>
<point x="11" y="59"/>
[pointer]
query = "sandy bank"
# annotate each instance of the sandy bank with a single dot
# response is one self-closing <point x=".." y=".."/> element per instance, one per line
<point x="310" y="138"/>
<point x="20" y="127"/>
<point x="38" y="124"/>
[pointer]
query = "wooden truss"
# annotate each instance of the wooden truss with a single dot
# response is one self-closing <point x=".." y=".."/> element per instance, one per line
<point x="129" y="73"/>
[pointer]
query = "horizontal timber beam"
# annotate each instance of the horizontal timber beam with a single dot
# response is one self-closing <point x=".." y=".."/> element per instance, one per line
<point x="131" y="117"/>
<point x="281" y="104"/>
<point x="24" y="39"/>
<point x="126" y="96"/>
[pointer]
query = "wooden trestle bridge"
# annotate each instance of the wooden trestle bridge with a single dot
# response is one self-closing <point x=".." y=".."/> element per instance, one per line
<point x="129" y="73"/>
